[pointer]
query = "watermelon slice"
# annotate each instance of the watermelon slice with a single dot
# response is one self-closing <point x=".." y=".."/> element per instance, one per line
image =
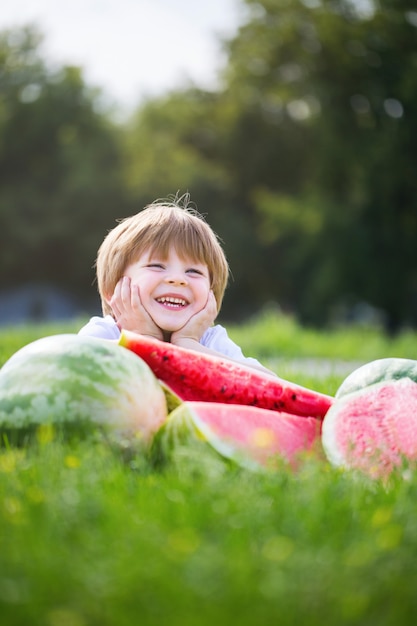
<point x="251" y="436"/>
<point x="79" y="385"/>
<point x="376" y="371"/>
<point x="373" y="429"/>
<point x="196" y="376"/>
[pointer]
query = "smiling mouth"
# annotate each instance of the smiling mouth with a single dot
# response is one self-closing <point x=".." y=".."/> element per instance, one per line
<point x="172" y="303"/>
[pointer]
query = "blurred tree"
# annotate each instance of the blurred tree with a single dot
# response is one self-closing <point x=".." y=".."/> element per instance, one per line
<point x="172" y="144"/>
<point x="303" y="161"/>
<point x="60" y="170"/>
<point x="327" y="95"/>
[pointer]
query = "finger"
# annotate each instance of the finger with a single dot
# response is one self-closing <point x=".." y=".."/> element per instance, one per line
<point x="212" y="301"/>
<point x="135" y="296"/>
<point x="125" y="290"/>
<point x="116" y="292"/>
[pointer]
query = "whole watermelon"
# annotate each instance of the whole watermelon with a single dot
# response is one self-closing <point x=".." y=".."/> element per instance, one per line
<point x="79" y="384"/>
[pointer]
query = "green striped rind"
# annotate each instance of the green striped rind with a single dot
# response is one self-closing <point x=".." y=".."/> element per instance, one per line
<point x="334" y="454"/>
<point x="172" y="399"/>
<point x="184" y="439"/>
<point x="77" y="384"/>
<point x="376" y="372"/>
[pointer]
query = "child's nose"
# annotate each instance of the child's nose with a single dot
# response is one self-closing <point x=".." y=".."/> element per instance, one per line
<point x="176" y="279"/>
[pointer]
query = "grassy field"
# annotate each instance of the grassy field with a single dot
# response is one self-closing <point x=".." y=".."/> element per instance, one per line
<point x="90" y="538"/>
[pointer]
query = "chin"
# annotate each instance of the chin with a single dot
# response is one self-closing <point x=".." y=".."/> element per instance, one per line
<point x="170" y="327"/>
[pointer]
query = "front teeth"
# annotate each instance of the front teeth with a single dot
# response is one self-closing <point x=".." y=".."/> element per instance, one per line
<point x="177" y="301"/>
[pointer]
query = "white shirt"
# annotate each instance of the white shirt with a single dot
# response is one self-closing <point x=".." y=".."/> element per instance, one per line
<point x="215" y="337"/>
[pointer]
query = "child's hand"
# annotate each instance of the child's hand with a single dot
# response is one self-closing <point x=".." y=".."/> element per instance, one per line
<point x="129" y="312"/>
<point x="197" y="325"/>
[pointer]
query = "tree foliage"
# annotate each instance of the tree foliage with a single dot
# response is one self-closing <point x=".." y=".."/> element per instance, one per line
<point x="60" y="170"/>
<point x="303" y="161"/>
<point x="332" y="92"/>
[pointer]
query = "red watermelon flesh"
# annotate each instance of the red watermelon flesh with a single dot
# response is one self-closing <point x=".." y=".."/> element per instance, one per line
<point x="374" y="429"/>
<point x="197" y="376"/>
<point x="250" y="435"/>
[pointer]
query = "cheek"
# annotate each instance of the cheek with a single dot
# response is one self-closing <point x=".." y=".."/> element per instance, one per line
<point x="202" y="292"/>
<point x="130" y="272"/>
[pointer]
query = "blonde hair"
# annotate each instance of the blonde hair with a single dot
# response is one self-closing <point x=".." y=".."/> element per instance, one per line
<point x="157" y="227"/>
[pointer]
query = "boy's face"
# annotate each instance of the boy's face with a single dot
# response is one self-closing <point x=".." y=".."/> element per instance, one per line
<point x="172" y="290"/>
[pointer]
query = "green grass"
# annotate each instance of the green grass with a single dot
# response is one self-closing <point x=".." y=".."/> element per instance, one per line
<point x="271" y="334"/>
<point x="89" y="538"/>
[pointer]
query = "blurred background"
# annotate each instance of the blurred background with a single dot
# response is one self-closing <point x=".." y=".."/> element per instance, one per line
<point x="291" y="123"/>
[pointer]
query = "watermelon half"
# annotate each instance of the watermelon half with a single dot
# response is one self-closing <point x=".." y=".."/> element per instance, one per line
<point x="196" y="376"/>
<point x="373" y="429"/>
<point x="251" y="436"/>
<point x="79" y="384"/>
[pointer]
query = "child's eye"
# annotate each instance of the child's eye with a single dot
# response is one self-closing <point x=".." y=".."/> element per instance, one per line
<point x="155" y="265"/>
<point x="194" y="270"/>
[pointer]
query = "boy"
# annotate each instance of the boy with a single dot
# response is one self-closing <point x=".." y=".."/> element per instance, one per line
<point x="163" y="273"/>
